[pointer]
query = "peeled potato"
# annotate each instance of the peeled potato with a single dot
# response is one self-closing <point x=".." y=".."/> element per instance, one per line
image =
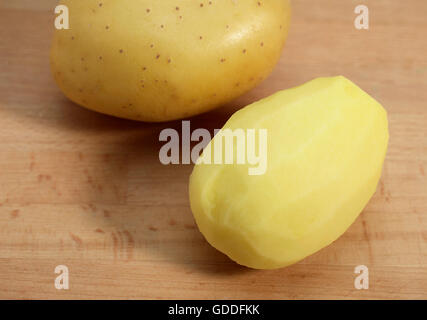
<point x="327" y="140"/>
<point x="154" y="60"/>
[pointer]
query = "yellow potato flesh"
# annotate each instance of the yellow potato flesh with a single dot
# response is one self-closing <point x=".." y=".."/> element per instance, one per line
<point x="157" y="60"/>
<point x="327" y="140"/>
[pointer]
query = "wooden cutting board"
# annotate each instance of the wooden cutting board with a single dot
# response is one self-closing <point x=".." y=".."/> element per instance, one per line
<point x="87" y="191"/>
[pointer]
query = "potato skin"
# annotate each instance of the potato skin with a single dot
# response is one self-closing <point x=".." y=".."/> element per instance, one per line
<point x="163" y="60"/>
<point x="327" y="141"/>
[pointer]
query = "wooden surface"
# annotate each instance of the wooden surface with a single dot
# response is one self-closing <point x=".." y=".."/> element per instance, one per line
<point x="88" y="191"/>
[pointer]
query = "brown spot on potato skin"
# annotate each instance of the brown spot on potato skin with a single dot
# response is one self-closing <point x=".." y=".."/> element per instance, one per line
<point x="152" y="228"/>
<point x="98" y="230"/>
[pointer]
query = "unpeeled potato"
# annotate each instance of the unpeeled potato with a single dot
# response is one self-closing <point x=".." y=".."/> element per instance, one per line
<point x="327" y="140"/>
<point x="157" y="60"/>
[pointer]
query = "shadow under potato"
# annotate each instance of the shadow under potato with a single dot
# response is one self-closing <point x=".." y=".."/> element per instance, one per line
<point x="152" y="219"/>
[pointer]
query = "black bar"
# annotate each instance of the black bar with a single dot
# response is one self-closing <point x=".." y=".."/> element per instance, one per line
<point x="216" y="309"/>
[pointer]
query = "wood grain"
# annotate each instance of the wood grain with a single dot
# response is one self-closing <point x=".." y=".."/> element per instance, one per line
<point x="88" y="191"/>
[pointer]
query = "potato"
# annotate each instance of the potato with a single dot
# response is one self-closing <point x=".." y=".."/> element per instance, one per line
<point x="327" y="140"/>
<point x="154" y="60"/>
